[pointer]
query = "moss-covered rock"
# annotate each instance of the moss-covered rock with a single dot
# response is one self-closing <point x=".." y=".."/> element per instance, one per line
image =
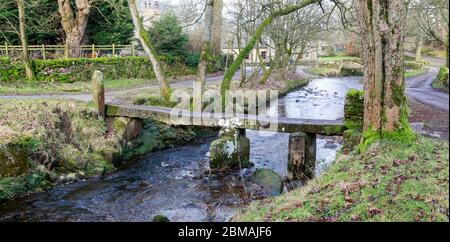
<point x="269" y="180"/>
<point x="160" y="219"/>
<point x="127" y="128"/>
<point x="231" y="150"/>
<point x="71" y="159"/>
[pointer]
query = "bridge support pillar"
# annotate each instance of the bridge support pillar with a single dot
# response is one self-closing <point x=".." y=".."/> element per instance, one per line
<point x="301" y="156"/>
<point x="98" y="94"/>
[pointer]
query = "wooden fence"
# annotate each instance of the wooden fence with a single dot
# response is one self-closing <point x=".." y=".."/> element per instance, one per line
<point x="45" y="52"/>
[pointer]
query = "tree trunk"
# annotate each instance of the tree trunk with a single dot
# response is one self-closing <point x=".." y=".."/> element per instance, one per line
<point x="447" y="51"/>
<point x="226" y="82"/>
<point x="74" y="25"/>
<point x="217" y="27"/>
<point x="419" y="45"/>
<point x="141" y="35"/>
<point x="24" y="41"/>
<point x="385" y="105"/>
<point x="199" y="85"/>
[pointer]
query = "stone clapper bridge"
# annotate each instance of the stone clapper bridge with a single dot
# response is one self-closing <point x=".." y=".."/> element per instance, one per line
<point x="302" y="139"/>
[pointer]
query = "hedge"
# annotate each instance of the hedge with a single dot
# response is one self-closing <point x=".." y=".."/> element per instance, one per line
<point x="81" y="69"/>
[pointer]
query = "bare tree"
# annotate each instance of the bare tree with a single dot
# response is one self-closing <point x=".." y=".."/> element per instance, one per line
<point x="142" y="36"/>
<point x="256" y="37"/>
<point x="217" y="26"/>
<point x="291" y="37"/>
<point x="24" y="40"/>
<point x="205" y="55"/>
<point x="432" y="18"/>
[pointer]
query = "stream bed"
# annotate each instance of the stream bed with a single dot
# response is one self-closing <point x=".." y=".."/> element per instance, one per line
<point x="173" y="183"/>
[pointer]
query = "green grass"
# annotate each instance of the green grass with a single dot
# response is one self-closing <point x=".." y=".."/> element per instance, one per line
<point x="390" y="181"/>
<point x="438" y="54"/>
<point x="415" y="72"/>
<point x="78" y="87"/>
<point x="324" y="71"/>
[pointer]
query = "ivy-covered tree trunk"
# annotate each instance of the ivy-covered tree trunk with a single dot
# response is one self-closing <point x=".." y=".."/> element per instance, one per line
<point x="141" y="35"/>
<point x="226" y="82"/>
<point x="199" y="85"/>
<point x="385" y="105"/>
<point x="74" y="24"/>
<point x="24" y="41"/>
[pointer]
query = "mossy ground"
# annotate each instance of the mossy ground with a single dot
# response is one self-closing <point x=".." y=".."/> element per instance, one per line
<point x="390" y="181"/>
<point x="67" y="138"/>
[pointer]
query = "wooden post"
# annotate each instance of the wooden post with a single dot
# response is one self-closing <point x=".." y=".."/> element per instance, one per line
<point x="98" y="94"/>
<point x="44" y="57"/>
<point x="113" y="50"/>
<point x="301" y="156"/>
<point x="93" y="51"/>
<point x="133" y="53"/>
<point x="6" y="49"/>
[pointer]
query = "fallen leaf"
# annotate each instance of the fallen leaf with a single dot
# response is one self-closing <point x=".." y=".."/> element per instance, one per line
<point x="374" y="211"/>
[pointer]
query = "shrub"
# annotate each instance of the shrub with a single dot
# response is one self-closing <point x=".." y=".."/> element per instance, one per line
<point x="192" y="59"/>
<point x="443" y="75"/>
<point x="81" y="70"/>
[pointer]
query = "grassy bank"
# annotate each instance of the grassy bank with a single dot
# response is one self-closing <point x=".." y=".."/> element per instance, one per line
<point x="388" y="182"/>
<point x="54" y="142"/>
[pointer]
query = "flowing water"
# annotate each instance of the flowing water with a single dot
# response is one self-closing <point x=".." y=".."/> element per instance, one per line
<point x="173" y="183"/>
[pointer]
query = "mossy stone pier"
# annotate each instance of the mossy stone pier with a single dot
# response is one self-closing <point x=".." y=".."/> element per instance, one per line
<point x="302" y="156"/>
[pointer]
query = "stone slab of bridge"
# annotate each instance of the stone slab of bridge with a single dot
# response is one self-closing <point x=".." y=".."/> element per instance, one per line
<point x="302" y="140"/>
